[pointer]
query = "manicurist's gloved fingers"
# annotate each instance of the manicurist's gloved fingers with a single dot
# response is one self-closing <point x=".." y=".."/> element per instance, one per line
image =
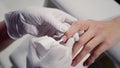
<point x="58" y="25"/>
<point x="37" y="21"/>
<point x="11" y="20"/>
<point x="61" y="27"/>
<point x="30" y="29"/>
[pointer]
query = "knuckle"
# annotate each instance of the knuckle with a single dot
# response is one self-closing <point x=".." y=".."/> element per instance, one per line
<point x="82" y="41"/>
<point x="88" y="48"/>
<point x="68" y="34"/>
<point x="107" y="43"/>
<point x="72" y="30"/>
<point x="99" y="27"/>
<point x="78" y="42"/>
<point x="77" y="24"/>
<point x="90" y="20"/>
<point x="95" y="54"/>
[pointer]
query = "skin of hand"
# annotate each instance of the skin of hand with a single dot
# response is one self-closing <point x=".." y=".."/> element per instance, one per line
<point x="98" y="37"/>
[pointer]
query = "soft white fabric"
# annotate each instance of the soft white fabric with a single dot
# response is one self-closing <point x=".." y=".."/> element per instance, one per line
<point x="18" y="56"/>
<point x="38" y="21"/>
<point x="45" y="52"/>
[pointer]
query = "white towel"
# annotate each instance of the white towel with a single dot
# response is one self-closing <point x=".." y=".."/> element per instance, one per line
<point x="45" y="52"/>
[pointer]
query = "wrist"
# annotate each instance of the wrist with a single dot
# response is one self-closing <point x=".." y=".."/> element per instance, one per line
<point x="3" y="32"/>
<point x="5" y="40"/>
<point x="117" y="20"/>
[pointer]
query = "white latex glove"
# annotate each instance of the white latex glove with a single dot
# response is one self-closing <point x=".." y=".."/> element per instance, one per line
<point x="45" y="52"/>
<point x="38" y="21"/>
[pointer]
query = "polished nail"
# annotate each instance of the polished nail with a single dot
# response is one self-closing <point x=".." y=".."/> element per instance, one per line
<point x="74" y="63"/>
<point x="85" y="64"/>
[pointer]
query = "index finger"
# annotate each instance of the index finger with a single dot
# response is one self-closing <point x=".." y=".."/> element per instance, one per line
<point x="73" y="29"/>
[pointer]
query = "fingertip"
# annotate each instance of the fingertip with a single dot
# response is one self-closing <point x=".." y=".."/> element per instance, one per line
<point x="74" y="63"/>
<point x="64" y="38"/>
<point x="85" y="63"/>
<point x="88" y="62"/>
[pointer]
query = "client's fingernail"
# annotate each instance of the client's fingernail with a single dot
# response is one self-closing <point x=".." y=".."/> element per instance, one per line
<point x="85" y="64"/>
<point x="64" y="38"/>
<point x="74" y="63"/>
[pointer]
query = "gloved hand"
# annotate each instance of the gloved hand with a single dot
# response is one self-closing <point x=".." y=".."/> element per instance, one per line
<point x="45" y="52"/>
<point x="38" y="22"/>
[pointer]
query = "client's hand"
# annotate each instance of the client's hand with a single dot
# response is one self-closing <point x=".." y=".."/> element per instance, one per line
<point x="38" y="21"/>
<point x="99" y="36"/>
